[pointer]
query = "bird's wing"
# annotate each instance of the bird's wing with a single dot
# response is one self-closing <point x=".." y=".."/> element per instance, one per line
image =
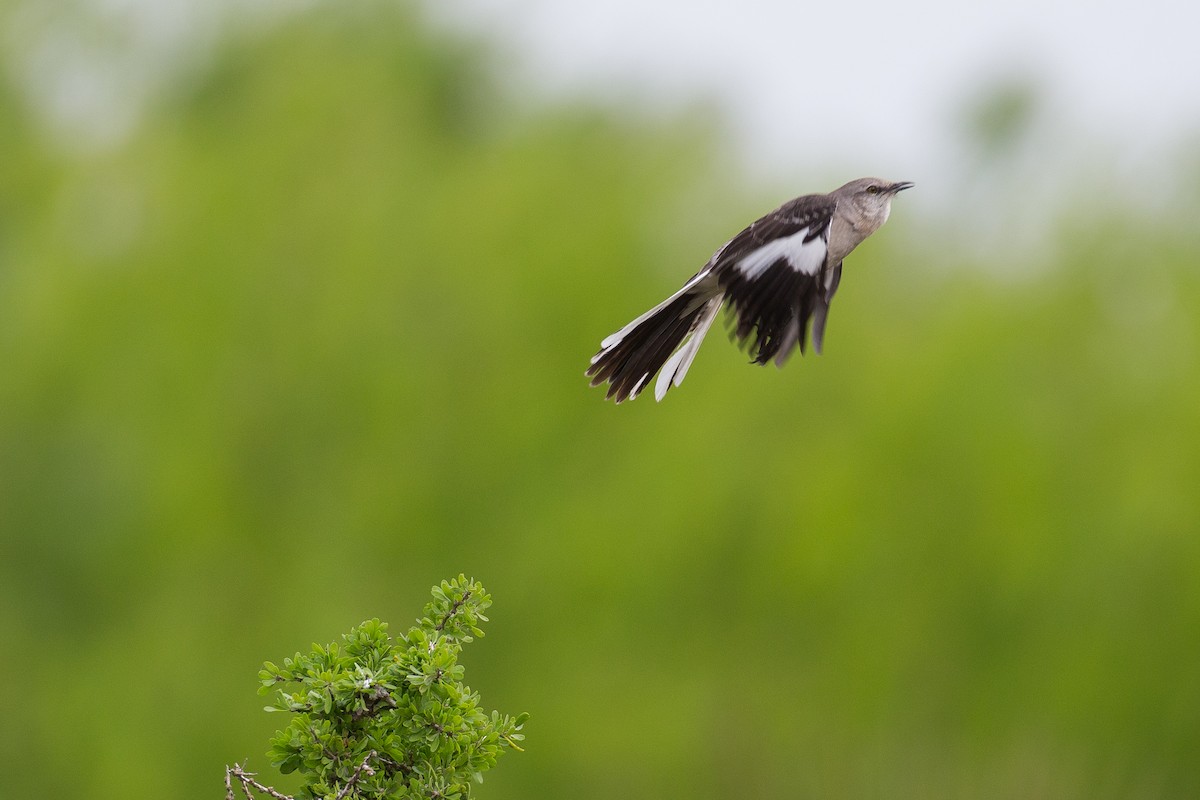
<point x="811" y="212"/>
<point x="775" y="274"/>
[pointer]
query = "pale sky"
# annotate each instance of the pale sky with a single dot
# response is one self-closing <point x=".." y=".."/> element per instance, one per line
<point x="806" y="90"/>
<point x="876" y="83"/>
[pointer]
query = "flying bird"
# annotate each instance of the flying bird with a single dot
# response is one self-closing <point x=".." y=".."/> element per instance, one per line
<point x="777" y="275"/>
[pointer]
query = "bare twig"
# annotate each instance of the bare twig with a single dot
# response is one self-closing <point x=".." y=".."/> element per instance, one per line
<point x="453" y="610"/>
<point x="379" y="697"/>
<point x="364" y="767"/>
<point x="248" y="782"/>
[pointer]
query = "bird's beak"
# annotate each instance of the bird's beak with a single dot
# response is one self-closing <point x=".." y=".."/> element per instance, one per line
<point x="901" y="186"/>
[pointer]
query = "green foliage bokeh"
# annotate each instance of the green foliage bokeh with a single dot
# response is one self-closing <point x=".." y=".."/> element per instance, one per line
<point x="315" y="337"/>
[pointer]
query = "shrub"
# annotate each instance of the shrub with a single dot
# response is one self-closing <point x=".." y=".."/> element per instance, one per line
<point x="378" y="717"/>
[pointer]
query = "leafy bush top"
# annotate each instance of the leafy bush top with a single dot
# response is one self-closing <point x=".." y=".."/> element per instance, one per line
<point x="377" y="717"/>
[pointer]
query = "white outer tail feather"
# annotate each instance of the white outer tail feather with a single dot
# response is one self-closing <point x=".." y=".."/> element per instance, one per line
<point x="676" y="367"/>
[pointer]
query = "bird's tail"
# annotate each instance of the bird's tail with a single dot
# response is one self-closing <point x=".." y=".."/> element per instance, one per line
<point x="665" y="338"/>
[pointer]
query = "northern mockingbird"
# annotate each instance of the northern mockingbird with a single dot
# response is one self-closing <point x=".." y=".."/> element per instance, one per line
<point x="776" y="275"/>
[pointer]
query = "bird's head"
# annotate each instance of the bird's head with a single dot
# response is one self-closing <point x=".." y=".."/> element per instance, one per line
<point x="868" y="201"/>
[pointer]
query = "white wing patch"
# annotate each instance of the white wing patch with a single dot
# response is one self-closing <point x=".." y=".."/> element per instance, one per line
<point x="802" y="256"/>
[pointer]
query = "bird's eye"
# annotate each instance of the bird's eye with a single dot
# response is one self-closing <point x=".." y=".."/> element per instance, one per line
<point x="872" y="189"/>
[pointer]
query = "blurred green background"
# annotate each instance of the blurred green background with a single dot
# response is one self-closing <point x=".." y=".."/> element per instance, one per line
<point x="312" y="338"/>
